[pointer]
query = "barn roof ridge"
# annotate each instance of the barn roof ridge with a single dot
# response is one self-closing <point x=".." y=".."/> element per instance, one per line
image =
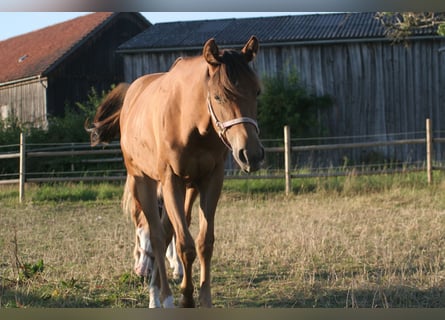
<point x="292" y="28"/>
<point x="34" y="54"/>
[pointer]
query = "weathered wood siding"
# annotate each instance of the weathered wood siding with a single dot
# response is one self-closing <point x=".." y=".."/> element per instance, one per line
<point x="26" y="102"/>
<point x="379" y="89"/>
<point x="95" y="64"/>
<point x="138" y="64"/>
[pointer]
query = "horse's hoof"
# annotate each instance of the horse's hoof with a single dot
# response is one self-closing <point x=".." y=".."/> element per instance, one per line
<point x="205" y="303"/>
<point x="185" y="302"/>
<point x="168" y="302"/>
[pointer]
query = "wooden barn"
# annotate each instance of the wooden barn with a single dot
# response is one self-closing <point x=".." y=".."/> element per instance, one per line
<point x="42" y="71"/>
<point x="379" y="88"/>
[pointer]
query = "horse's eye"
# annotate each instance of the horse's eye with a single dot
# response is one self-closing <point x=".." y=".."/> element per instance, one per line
<point x="217" y="98"/>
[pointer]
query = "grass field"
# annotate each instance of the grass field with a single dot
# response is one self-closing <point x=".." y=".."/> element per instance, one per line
<point x="354" y="242"/>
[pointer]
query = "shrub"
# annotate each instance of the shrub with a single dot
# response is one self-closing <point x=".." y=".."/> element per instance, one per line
<point x="285" y="101"/>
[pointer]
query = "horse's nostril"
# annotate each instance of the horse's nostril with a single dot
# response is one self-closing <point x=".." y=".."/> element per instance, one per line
<point x="242" y="155"/>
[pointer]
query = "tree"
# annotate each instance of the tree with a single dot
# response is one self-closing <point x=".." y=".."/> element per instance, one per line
<point x="400" y="25"/>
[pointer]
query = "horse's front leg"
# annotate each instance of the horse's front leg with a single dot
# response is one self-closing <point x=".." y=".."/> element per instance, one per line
<point x="174" y="197"/>
<point x="154" y="283"/>
<point x="210" y="192"/>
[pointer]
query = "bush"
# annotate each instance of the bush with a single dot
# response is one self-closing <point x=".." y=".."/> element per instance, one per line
<point x="285" y="101"/>
<point x="9" y="133"/>
<point x="70" y="127"/>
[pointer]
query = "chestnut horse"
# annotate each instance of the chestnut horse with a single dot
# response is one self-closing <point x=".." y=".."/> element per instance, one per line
<point x="176" y="129"/>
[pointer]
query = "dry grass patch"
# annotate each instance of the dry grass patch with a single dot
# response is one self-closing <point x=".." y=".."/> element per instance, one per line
<point x="323" y="249"/>
<point x="378" y="250"/>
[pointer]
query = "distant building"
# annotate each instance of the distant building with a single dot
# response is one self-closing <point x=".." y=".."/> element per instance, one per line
<point x="42" y="71"/>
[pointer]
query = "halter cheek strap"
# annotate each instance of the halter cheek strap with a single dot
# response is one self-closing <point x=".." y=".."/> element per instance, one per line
<point x="223" y="126"/>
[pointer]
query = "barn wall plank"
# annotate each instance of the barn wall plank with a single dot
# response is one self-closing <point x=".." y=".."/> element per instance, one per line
<point x="26" y="101"/>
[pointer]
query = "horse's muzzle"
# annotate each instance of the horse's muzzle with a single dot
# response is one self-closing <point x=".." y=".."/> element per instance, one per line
<point x="249" y="161"/>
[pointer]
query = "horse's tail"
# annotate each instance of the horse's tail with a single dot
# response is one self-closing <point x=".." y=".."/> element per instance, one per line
<point x="105" y="126"/>
<point x="131" y="207"/>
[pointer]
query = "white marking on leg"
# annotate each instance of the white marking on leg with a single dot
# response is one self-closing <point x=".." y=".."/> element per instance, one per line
<point x="154" y="297"/>
<point x="154" y="301"/>
<point x="173" y="259"/>
<point x="168" y="302"/>
<point x="153" y="289"/>
<point x="170" y="252"/>
<point x="144" y="266"/>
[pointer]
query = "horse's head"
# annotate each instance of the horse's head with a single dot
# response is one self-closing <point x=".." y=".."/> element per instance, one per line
<point x="233" y="88"/>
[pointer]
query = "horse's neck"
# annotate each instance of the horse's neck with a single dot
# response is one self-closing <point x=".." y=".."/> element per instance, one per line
<point x="188" y="77"/>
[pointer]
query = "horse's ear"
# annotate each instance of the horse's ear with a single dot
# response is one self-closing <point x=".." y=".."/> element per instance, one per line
<point x="211" y="52"/>
<point x="251" y="48"/>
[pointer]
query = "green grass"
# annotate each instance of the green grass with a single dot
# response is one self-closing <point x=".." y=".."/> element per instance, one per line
<point x="351" y="184"/>
<point x="352" y="242"/>
<point x="56" y="192"/>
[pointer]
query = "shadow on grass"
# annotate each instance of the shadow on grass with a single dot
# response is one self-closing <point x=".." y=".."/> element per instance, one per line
<point x="259" y="293"/>
<point x="394" y="297"/>
<point x="129" y="294"/>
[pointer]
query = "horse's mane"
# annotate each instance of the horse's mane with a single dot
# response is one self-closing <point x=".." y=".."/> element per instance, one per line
<point x="234" y="67"/>
<point x="175" y="63"/>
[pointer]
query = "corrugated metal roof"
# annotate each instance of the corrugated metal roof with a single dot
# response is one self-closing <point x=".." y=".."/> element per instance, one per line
<point x="311" y="27"/>
<point x="295" y="28"/>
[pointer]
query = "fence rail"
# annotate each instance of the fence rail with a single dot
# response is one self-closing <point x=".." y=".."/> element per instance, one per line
<point x="287" y="174"/>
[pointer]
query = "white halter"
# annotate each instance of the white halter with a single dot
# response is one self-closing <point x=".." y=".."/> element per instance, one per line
<point x="223" y="126"/>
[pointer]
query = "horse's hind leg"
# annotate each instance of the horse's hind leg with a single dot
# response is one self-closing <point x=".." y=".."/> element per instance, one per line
<point x="142" y="248"/>
<point x="145" y="191"/>
<point x="144" y="263"/>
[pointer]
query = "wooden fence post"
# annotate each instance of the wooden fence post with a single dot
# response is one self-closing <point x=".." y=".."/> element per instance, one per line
<point x="429" y="151"/>
<point x="22" y="169"/>
<point x="287" y="159"/>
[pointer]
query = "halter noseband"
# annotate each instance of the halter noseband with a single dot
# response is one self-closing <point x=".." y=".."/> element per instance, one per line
<point x="223" y="126"/>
